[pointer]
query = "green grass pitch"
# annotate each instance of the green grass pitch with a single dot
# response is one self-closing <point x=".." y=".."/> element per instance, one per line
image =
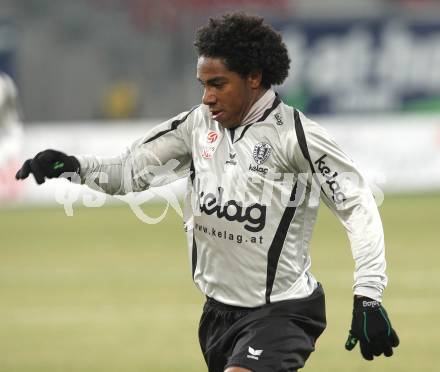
<point x="101" y="291"/>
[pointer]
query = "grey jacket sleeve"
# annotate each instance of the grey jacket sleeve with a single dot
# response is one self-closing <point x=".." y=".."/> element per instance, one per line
<point x="345" y="191"/>
<point x="162" y="156"/>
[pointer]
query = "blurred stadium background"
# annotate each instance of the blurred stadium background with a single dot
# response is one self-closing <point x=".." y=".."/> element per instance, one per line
<point x="96" y="289"/>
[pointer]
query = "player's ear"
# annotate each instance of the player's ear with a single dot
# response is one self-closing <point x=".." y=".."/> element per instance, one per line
<point x="254" y="79"/>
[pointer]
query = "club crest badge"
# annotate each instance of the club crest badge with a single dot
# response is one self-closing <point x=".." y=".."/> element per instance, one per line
<point x="261" y="152"/>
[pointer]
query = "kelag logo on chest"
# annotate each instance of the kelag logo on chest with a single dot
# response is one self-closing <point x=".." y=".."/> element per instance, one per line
<point x="254" y="215"/>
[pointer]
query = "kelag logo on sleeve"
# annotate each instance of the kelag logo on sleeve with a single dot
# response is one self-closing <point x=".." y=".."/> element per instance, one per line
<point x="338" y="196"/>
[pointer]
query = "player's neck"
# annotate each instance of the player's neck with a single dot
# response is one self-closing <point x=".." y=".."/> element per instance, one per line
<point x="257" y="106"/>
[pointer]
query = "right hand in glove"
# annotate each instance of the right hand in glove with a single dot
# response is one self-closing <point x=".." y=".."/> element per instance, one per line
<point x="49" y="164"/>
<point x="372" y="328"/>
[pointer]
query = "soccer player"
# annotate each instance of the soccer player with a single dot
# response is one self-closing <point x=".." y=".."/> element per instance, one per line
<point x="254" y="167"/>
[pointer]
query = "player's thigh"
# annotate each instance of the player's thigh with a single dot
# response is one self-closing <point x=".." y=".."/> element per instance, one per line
<point x="237" y="369"/>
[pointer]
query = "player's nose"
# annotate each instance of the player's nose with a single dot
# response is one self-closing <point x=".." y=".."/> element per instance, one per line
<point x="209" y="97"/>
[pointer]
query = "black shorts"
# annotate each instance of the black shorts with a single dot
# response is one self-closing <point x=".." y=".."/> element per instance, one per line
<point x="277" y="337"/>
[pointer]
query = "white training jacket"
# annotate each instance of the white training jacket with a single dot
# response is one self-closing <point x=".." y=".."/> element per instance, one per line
<point x="253" y="197"/>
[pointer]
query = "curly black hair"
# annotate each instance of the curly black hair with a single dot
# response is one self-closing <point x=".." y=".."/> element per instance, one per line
<point x="246" y="45"/>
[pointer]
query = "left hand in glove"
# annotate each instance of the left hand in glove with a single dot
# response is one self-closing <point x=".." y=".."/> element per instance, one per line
<point x="49" y="164"/>
<point x="372" y="328"/>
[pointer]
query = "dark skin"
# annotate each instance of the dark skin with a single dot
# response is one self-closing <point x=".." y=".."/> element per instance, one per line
<point x="228" y="94"/>
<point x="229" y="97"/>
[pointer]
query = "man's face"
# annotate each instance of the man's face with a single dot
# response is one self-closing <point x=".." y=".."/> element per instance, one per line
<point x="228" y="95"/>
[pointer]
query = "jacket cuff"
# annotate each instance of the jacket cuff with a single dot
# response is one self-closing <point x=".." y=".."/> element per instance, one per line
<point x="369" y="292"/>
<point x="83" y="166"/>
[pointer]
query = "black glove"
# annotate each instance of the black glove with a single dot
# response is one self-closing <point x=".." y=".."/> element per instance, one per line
<point x="49" y="164"/>
<point x="372" y="328"/>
